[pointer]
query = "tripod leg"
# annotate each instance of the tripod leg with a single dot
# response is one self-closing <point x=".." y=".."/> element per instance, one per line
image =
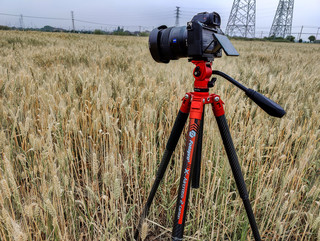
<point x="187" y="168"/>
<point x="197" y="164"/>
<point x="171" y="145"/>
<point x="235" y="166"/>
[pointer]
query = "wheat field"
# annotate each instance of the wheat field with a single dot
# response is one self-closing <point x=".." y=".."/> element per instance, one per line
<point x="85" y="119"/>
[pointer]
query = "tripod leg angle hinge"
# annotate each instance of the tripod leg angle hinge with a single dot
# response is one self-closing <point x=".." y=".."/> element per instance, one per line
<point x="185" y="106"/>
<point x="217" y="106"/>
<point x="193" y="102"/>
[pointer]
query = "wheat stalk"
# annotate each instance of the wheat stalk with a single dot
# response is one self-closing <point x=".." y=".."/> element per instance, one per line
<point x="85" y="120"/>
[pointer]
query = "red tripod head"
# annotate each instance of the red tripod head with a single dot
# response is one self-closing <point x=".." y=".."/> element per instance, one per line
<point x="202" y="73"/>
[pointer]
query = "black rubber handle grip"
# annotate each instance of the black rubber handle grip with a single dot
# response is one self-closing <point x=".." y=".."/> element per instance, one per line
<point x="265" y="103"/>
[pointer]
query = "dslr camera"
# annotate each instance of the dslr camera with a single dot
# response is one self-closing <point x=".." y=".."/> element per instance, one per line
<point x="201" y="39"/>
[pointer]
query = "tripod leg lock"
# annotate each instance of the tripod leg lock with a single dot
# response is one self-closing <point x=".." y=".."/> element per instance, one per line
<point x="217" y="105"/>
<point x="186" y="100"/>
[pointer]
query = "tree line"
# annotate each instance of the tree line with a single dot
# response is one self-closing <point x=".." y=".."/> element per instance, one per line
<point x="47" y="28"/>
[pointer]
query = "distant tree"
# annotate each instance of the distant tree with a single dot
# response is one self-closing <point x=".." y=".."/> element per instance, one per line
<point x="312" y="38"/>
<point x="47" y="28"/>
<point x="144" y="34"/>
<point x="98" y="31"/>
<point x="2" y="27"/>
<point x="300" y="40"/>
<point x="119" y="29"/>
<point x="290" y="38"/>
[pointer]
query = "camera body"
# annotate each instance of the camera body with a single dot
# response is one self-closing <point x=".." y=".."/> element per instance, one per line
<point x="201" y="44"/>
<point x="201" y="39"/>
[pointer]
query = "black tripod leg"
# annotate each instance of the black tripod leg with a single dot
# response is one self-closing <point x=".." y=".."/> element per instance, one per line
<point x="171" y="145"/>
<point x="236" y="170"/>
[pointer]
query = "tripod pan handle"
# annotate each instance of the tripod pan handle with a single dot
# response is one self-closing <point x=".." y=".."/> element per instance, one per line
<point x="265" y="103"/>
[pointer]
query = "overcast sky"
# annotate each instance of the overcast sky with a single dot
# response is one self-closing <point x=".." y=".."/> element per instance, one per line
<point x="147" y="14"/>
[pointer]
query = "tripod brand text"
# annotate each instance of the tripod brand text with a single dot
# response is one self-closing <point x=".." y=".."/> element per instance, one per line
<point x="189" y="150"/>
<point x="192" y="134"/>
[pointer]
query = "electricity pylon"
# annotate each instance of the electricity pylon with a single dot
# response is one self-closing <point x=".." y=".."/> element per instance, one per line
<point x="21" y="21"/>
<point x="177" y="16"/>
<point x="282" y="22"/>
<point x="72" y="18"/>
<point x="242" y="19"/>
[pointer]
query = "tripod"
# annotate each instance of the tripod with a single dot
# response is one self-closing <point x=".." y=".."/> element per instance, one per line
<point x="193" y="104"/>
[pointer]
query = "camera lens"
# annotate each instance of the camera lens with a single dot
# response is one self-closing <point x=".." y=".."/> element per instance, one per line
<point x="167" y="44"/>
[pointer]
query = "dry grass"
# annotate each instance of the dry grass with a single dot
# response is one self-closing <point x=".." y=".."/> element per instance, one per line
<point x="84" y="120"/>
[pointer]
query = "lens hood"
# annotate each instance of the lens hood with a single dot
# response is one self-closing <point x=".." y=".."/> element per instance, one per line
<point x="154" y="44"/>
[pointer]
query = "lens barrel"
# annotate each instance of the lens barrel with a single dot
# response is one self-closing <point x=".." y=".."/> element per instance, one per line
<point x="167" y="44"/>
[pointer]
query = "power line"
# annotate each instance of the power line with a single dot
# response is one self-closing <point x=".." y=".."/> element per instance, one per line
<point x="67" y="19"/>
<point x="27" y="16"/>
<point x="50" y="18"/>
<point x="107" y="24"/>
<point x="7" y="14"/>
<point x="302" y="33"/>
